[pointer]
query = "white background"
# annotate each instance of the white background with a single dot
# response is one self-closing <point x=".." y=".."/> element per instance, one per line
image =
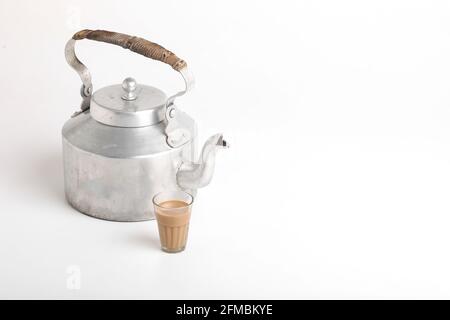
<point x="337" y="181"/>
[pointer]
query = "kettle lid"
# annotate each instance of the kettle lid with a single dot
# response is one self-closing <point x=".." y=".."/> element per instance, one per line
<point x="128" y="105"/>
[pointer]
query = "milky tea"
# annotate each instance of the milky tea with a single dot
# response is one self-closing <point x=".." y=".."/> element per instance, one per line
<point x="173" y="224"/>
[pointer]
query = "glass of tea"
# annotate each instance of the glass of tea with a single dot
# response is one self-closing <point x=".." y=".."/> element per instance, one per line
<point x="173" y="212"/>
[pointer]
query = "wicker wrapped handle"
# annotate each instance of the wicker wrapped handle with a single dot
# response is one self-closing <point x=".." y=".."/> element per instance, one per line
<point x="135" y="44"/>
<point x="139" y="45"/>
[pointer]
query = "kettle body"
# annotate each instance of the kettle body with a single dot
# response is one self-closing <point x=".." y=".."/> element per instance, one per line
<point x="129" y="142"/>
<point x="112" y="173"/>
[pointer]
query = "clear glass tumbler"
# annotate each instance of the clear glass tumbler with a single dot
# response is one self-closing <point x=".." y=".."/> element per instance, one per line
<point x="173" y="212"/>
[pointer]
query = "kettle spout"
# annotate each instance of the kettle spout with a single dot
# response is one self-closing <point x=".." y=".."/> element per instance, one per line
<point x="197" y="175"/>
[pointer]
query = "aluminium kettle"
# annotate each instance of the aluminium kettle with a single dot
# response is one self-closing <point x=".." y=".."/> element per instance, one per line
<point x="129" y="141"/>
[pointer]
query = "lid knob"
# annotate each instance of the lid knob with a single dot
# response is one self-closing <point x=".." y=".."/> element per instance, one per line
<point x="129" y="85"/>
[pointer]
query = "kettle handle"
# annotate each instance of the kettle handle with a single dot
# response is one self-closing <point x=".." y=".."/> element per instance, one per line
<point x="139" y="45"/>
